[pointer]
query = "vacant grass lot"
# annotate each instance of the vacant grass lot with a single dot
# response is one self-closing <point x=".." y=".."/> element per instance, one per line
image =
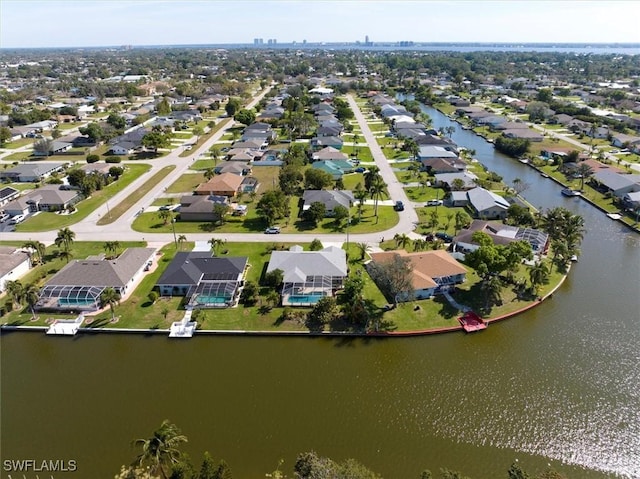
<point x="124" y="206"/>
<point x="46" y="221"/>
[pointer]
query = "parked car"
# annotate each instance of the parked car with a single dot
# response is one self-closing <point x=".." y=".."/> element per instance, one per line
<point x="272" y="230"/>
<point x="165" y="208"/>
<point x="399" y="206"/>
<point x="16" y="219"/>
<point x="444" y="237"/>
<point x="4" y="217"/>
<point x="360" y="169"/>
<point x="434" y="202"/>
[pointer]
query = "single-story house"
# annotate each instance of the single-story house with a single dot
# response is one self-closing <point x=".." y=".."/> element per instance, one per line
<point x="619" y="185"/>
<point x="14" y="264"/>
<point x="226" y="184"/>
<point x="329" y="198"/>
<point x="204" y="280"/>
<point x="500" y="234"/>
<point x="442" y="165"/>
<point x="329" y="153"/>
<point x="487" y="204"/>
<point x="523" y="134"/>
<point x="435" y="151"/>
<point x="200" y="207"/>
<point x="78" y="286"/>
<point x="632" y="200"/>
<point x="319" y="142"/>
<point x="55" y="148"/>
<point x="97" y="168"/>
<point x="447" y="179"/>
<point x="234" y="167"/>
<point x="336" y="168"/>
<point x="309" y="275"/>
<point x="31" y="172"/>
<point x="620" y="140"/>
<point x="432" y="272"/>
<point x="47" y="198"/>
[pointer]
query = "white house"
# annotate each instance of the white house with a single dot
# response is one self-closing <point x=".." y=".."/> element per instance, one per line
<point x="14" y="264"/>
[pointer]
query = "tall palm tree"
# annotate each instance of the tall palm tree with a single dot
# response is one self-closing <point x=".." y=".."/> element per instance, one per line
<point x="377" y="190"/>
<point x="65" y="239"/>
<point x="214" y="151"/>
<point x="110" y="297"/>
<point x="164" y="215"/>
<point x="403" y="241"/>
<point x="160" y="451"/>
<point x="584" y="171"/>
<point x="15" y="291"/>
<point x="38" y="250"/>
<point x="360" y="194"/>
<point x="492" y="288"/>
<point x="31" y="295"/>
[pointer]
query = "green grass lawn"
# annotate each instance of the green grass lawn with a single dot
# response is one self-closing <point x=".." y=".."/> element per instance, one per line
<point x="46" y="221"/>
<point x="18" y="156"/>
<point x="42" y="273"/>
<point x="364" y="153"/>
<point x="18" y="143"/>
<point x="22" y="186"/>
<point x="446" y="219"/>
<point x="186" y="183"/>
<point x="420" y="194"/>
<point x="122" y="207"/>
<point x="203" y="164"/>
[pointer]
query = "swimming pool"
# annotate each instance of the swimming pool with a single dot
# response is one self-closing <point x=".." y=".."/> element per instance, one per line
<point x="75" y="302"/>
<point x="217" y="300"/>
<point x="311" y="298"/>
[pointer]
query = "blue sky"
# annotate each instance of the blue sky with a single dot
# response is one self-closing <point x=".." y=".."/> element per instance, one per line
<point x="60" y="23"/>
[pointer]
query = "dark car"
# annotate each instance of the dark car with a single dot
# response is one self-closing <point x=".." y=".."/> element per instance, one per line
<point x="444" y="237"/>
<point x="399" y="206"/>
<point x="360" y="169"/>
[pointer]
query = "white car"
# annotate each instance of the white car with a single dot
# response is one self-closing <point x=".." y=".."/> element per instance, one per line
<point x="16" y="219"/>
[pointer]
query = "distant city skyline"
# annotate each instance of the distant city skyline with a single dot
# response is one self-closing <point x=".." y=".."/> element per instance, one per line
<point x="94" y="23"/>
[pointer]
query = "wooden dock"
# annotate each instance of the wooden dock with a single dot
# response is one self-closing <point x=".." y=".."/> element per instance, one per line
<point x="471" y="322"/>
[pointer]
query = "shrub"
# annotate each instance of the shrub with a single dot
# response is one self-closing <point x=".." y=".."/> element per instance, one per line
<point x="93" y="158"/>
<point x="153" y="297"/>
<point x="113" y="159"/>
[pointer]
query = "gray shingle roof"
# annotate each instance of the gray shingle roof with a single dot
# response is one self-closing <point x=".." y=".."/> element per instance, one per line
<point x="190" y="267"/>
<point x="114" y="273"/>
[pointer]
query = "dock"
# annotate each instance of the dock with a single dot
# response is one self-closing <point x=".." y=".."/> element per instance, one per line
<point x="66" y="327"/>
<point x="471" y="322"/>
<point x="184" y="328"/>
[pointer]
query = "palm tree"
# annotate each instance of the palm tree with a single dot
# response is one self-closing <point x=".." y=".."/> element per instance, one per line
<point x="31" y="295"/>
<point x="110" y="297"/>
<point x="403" y="241"/>
<point x="377" y="189"/>
<point x="363" y="248"/>
<point x="360" y="194"/>
<point x="65" y="254"/>
<point x="65" y="238"/>
<point x="492" y="288"/>
<point x="209" y="173"/>
<point x="584" y="171"/>
<point x="216" y="244"/>
<point x="538" y="275"/>
<point x="111" y="248"/>
<point x="160" y="451"/>
<point x="214" y="151"/>
<point x="38" y="250"/>
<point x="164" y="215"/>
<point x="15" y="291"/>
<point x="182" y="239"/>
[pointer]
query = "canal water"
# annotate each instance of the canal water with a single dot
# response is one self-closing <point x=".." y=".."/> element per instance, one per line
<point x="557" y="385"/>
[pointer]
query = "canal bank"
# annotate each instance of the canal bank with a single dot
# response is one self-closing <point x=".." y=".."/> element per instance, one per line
<point x="558" y="386"/>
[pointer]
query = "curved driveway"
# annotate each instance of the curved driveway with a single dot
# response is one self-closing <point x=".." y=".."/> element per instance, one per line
<point x="87" y="230"/>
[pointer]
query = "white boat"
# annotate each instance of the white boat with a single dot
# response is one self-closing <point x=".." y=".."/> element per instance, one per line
<point x="614" y="216"/>
<point x="570" y="192"/>
<point x="574" y="259"/>
<point x="523" y="160"/>
<point x="544" y="175"/>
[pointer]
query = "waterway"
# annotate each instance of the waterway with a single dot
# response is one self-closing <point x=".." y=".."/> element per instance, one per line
<point x="557" y="385"/>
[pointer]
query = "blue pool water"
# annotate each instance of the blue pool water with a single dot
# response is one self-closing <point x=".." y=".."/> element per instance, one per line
<point x="75" y="302"/>
<point x="311" y="298"/>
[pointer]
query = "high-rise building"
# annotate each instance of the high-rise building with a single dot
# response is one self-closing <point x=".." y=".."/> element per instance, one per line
<point x="258" y="41"/>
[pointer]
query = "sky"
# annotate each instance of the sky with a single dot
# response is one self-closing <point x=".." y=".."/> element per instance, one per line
<point x="86" y="23"/>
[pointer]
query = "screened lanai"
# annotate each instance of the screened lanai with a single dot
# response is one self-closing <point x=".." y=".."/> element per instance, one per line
<point x="68" y="297"/>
